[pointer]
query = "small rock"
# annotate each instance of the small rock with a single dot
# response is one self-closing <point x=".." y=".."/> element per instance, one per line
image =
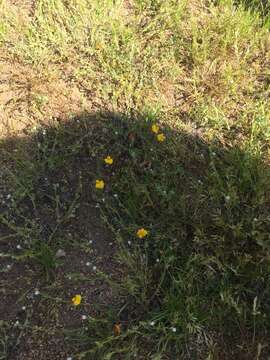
<point x="60" y="253"/>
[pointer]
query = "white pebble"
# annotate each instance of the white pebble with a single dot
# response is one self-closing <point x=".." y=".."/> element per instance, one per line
<point x="152" y="323"/>
<point x="37" y="292"/>
<point x="84" y="317"/>
<point x="60" y="253"/>
<point x="23" y="308"/>
<point x="88" y="263"/>
<point x="18" y="247"/>
<point x="94" y="268"/>
<point x="174" y="329"/>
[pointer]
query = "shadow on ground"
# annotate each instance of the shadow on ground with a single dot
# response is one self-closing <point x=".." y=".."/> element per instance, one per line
<point x="261" y="6"/>
<point x="203" y="269"/>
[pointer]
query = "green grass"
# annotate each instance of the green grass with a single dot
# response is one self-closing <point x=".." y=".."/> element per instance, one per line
<point x="261" y="6"/>
<point x="197" y="286"/>
<point x="204" y="267"/>
<point x="207" y="218"/>
<point x="142" y="55"/>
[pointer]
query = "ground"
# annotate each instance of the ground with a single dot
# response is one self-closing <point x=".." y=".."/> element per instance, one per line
<point x="171" y="256"/>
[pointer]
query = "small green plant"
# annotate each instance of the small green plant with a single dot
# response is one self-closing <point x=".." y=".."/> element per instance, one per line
<point x="45" y="257"/>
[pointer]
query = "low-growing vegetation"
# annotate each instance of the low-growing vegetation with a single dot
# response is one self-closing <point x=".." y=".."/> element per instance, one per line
<point x="134" y="181"/>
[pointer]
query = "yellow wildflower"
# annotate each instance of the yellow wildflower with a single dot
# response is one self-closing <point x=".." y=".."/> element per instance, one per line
<point x="108" y="160"/>
<point x="141" y="233"/>
<point x="117" y="329"/>
<point x="161" y="137"/>
<point x="76" y="300"/>
<point x="98" y="46"/>
<point x="155" y="128"/>
<point x="100" y="184"/>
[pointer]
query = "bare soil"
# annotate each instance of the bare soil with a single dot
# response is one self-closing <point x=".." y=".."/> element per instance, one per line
<point x="35" y="309"/>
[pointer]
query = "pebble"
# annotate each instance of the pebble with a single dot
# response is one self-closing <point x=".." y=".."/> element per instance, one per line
<point x="60" y="253"/>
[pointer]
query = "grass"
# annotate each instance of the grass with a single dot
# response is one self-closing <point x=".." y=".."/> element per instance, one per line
<point x="98" y="76"/>
<point x="201" y="242"/>
<point x="261" y="6"/>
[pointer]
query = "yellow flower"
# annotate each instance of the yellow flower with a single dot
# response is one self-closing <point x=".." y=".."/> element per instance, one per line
<point x="141" y="233"/>
<point x="76" y="300"/>
<point x="100" y="184"/>
<point x="155" y="128"/>
<point x="161" y="137"/>
<point x="117" y="329"/>
<point x="108" y="160"/>
<point x="98" y="46"/>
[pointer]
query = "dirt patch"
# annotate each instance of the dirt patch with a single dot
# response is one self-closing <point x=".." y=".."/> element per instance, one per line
<point x="38" y="311"/>
<point x="29" y="98"/>
<point x="53" y="244"/>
